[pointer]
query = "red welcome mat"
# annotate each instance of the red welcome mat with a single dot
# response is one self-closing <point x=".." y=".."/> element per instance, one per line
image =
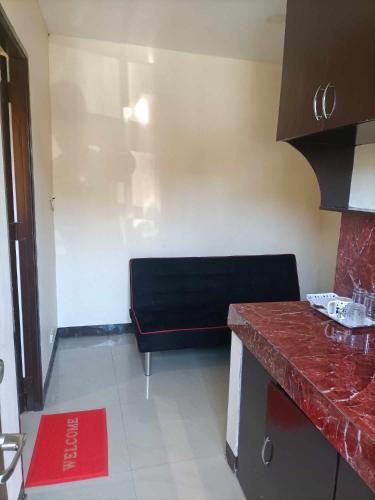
<point x="69" y="447"/>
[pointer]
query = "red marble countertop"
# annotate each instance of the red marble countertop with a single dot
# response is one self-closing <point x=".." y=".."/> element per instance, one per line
<point x="328" y="370"/>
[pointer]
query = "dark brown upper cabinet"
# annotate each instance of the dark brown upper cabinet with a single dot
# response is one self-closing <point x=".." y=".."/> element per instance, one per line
<point x="327" y="102"/>
<point x="329" y="66"/>
<point x="351" y="64"/>
<point x="305" y="71"/>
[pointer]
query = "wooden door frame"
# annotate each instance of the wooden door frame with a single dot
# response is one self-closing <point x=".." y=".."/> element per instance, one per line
<point x="17" y="93"/>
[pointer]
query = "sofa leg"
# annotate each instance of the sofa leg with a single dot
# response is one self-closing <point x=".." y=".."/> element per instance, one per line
<point x="147" y="364"/>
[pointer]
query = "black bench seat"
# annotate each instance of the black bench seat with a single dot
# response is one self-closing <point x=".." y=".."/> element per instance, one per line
<point x="183" y="301"/>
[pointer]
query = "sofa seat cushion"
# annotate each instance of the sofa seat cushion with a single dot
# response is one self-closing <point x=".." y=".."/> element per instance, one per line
<point x="182" y="302"/>
<point x="159" y="321"/>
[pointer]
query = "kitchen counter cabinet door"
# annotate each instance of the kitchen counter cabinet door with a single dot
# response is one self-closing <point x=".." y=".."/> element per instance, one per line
<point x="305" y="69"/>
<point x="351" y="63"/>
<point x="349" y="485"/>
<point x="251" y="472"/>
<point x="301" y="462"/>
<point x="329" y="45"/>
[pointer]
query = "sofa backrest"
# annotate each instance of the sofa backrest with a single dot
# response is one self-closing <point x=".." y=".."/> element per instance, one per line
<point x="211" y="282"/>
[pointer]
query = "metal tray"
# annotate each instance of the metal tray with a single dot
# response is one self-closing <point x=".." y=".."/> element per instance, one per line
<point x="319" y="301"/>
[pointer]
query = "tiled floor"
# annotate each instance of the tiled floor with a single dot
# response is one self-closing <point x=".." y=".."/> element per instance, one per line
<point x="166" y="440"/>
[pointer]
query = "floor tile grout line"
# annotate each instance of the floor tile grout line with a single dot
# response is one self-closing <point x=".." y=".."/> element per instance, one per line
<point x="182" y="460"/>
<point x="56" y="375"/>
<point x="134" y="469"/>
<point x="123" y="422"/>
<point x="120" y="370"/>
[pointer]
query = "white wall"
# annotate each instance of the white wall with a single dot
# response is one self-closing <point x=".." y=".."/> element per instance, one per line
<point x="362" y="189"/>
<point x="28" y="23"/>
<point x="162" y="153"/>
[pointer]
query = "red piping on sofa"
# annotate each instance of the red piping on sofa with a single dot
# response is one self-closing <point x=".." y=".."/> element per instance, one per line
<point x="177" y="329"/>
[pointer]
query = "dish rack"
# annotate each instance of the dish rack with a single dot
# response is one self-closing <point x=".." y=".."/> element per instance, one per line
<point x="319" y="302"/>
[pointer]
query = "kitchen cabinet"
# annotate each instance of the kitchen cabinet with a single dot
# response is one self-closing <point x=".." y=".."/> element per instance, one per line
<point x="305" y="68"/>
<point x="351" y="64"/>
<point x="329" y="66"/>
<point x="299" y="458"/>
<point x="349" y="485"/>
<point x="327" y="101"/>
<point x="251" y="472"/>
<point x="281" y="453"/>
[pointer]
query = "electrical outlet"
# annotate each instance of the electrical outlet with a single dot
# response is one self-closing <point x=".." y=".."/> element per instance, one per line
<point x="51" y="336"/>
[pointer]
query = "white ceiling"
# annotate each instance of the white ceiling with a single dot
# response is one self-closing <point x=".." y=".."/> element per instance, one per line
<point x="244" y="29"/>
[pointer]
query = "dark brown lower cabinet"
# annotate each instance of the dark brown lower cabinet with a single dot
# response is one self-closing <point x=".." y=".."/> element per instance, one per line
<point x="281" y="456"/>
<point x="349" y="485"/>
<point x="251" y="473"/>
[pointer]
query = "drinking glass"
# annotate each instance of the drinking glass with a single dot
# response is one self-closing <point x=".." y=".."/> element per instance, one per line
<point x="370" y="305"/>
<point x="359" y="295"/>
<point x="355" y="314"/>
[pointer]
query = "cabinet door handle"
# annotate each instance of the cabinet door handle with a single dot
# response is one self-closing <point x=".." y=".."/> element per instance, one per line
<point x="315" y="103"/>
<point x="267" y="446"/>
<point x="327" y="115"/>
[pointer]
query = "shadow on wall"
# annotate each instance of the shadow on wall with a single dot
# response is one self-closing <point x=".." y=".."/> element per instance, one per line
<point x="99" y="178"/>
<point x="160" y="153"/>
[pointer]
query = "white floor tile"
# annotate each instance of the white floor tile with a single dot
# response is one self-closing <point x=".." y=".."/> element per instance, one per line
<point x="88" y="362"/>
<point x="95" y="342"/>
<point x="95" y="489"/>
<point x="205" y="479"/>
<point x="172" y="441"/>
<point x="166" y="433"/>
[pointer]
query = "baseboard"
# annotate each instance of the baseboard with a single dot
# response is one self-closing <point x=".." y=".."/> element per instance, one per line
<point x="50" y="366"/>
<point x="89" y="331"/>
<point x="231" y="458"/>
<point x="82" y="331"/>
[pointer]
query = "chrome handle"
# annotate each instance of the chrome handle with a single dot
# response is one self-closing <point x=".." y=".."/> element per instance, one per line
<point x="315" y="103"/>
<point x="267" y="443"/>
<point x="11" y="442"/>
<point x="327" y="116"/>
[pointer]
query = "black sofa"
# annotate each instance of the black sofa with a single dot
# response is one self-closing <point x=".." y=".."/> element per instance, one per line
<point x="183" y="302"/>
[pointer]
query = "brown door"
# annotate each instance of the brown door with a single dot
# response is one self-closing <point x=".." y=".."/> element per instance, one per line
<point x="351" y="48"/>
<point x="305" y="69"/>
<point x="16" y="141"/>
<point x="12" y="217"/>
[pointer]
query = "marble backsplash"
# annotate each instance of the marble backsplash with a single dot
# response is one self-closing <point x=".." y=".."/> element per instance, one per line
<point x="356" y="253"/>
